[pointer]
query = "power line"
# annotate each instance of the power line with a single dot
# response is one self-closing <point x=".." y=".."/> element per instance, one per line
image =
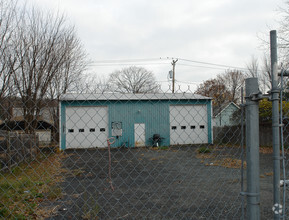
<point x="125" y="64"/>
<point x="143" y="61"/>
<point x="144" y="64"/>
<point x="193" y="83"/>
<point x="206" y="67"/>
<point x="207" y="63"/>
<point x="163" y="81"/>
<point x="179" y="81"/>
<point x="126" y="60"/>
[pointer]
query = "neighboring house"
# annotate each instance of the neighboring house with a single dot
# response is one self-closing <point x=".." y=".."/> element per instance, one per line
<point x="44" y="124"/>
<point x="225" y="116"/>
<point x="88" y="120"/>
<point x="46" y="114"/>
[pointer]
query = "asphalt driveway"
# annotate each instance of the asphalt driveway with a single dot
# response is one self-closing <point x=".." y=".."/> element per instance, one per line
<point x="174" y="183"/>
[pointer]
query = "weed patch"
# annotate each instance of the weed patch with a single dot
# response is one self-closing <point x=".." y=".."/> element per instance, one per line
<point x="90" y="208"/>
<point x="26" y="186"/>
<point x="204" y="150"/>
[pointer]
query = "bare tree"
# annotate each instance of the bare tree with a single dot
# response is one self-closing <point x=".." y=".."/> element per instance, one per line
<point x="68" y="75"/>
<point x="233" y="80"/>
<point x="8" y="22"/>
<point x="262" y="72"/>
<point x="217" y="90"/>
<point x="133" y="80"/>
<point x="283" y="34"/>
<point x="253" y="67"/>
<point x="265" y="78"/>
<point x="7" y="61"/>
<point x="223" y="89"/>
<point x="96" y="84"/>
<point x="49" y="56"/>
<point x="283" y="49"/>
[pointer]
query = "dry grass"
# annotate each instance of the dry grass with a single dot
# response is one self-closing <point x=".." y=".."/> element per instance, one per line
<point x="214" y="159"/>
<point x="263" y="149"/>
<point x="266" y="150"/>
<point x="28" y="185"/>
<point x="269" y="174"/>
<point x="228" y="163"/>
<point x="206" y="156"/>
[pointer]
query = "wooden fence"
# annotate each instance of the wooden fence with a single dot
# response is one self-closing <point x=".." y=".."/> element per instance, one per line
<point x="16" y="148"/>
<point x="232" y="135"/>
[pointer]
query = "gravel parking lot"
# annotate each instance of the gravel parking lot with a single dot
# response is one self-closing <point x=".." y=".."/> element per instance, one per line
<point x="174" y="183"/>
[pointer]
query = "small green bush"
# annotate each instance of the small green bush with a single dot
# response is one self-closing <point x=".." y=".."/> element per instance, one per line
<point x="204" y="150"/>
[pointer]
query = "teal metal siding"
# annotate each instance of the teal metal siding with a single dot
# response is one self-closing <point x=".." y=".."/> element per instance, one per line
<point x="153" y="113"/>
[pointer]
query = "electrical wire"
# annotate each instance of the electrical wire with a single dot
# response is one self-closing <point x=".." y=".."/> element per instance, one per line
<point x="207" y="63"/>
<point x="207" y="67"/>
<point x="144" y="61"/>
<point x="125" y="64"/>
<point x="126" y="60"/>
<point x="193" y="83"/>
<point x="162" y="81"/>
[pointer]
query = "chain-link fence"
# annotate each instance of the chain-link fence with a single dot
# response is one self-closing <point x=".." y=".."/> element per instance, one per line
<point x="16" y="148"/>
<point x="129" y="156"/>
<point x="284" y="122"/>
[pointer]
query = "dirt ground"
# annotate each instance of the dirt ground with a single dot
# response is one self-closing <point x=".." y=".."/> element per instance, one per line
<point x="174" y="183"/>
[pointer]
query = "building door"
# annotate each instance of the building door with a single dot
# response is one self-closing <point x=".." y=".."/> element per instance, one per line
<point x="86" y="127"/>
<point x="188" y="124"/>
<point x="139" y="135"/>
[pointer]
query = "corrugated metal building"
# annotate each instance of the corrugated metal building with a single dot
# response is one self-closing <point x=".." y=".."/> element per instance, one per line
<point x="87" y="120"/>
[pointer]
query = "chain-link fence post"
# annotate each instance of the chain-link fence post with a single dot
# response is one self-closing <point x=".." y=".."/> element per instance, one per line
<point x="252" y="146"/>
<point x="275" y="123"/>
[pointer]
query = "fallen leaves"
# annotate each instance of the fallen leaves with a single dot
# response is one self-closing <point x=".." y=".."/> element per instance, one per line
<point x="228" y="163"/>
<point x="219" y="159"/>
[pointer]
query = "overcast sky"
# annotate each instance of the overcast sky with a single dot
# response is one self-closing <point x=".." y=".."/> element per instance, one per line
<point x="212" y="31"/>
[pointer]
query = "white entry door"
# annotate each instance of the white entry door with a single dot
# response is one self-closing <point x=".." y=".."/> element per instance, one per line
<point x="86" y="127"/>
<point x="139" y="135"/>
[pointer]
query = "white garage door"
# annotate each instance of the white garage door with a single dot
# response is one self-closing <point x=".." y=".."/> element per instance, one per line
<point x="86" y="127"/>
<point x="188" y="124"/>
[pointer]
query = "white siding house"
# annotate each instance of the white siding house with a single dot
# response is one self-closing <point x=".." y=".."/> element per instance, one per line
<point x="226" y="116"/>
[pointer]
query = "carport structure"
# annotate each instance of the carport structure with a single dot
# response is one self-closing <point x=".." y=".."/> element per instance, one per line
<point x="87" y="120"/>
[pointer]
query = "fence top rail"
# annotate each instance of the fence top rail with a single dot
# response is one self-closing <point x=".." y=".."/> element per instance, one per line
<point x="123" y="96"/>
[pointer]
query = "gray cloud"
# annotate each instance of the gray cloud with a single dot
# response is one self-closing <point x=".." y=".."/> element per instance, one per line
<point x="222" y="31"/>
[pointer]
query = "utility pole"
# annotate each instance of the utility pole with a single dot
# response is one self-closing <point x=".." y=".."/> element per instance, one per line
<point x="174" y="64"/>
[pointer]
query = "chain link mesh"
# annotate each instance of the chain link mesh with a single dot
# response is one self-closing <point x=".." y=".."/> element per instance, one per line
<point x="284" y="113"/>
<point x="173" y="157"/>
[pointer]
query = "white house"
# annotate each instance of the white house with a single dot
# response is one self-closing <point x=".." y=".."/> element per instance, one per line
<point x="226" y="116"/>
